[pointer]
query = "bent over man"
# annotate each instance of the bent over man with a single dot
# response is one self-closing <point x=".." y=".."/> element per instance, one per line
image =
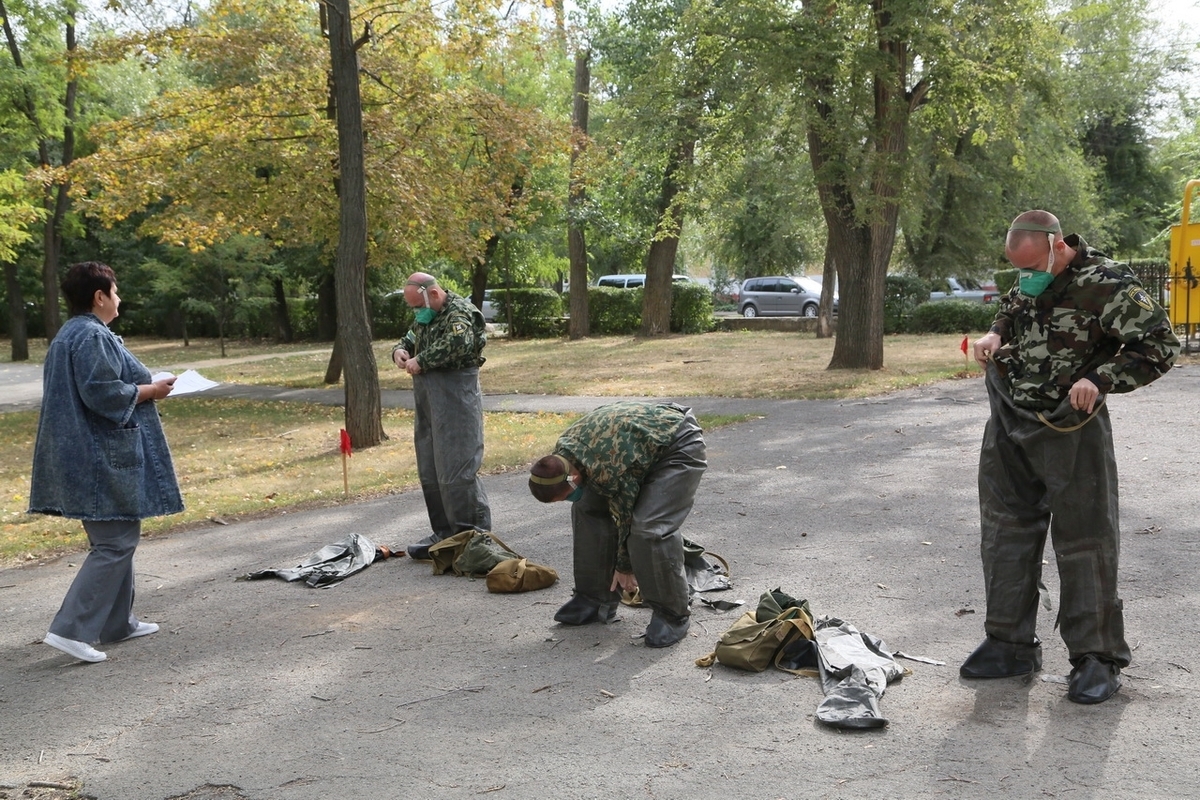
<point x="442" y="353"/>
<point x="630" y="471"/>
<point x="1076" y="328"/>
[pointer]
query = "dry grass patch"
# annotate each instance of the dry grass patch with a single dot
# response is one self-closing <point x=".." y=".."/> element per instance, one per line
<point x="738" y="364"/>
<point x="239" y="457"/>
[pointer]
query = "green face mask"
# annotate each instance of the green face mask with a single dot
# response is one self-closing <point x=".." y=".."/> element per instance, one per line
<point x="1033" y="282"/>
<point x="425" y="315"/>
<point x="574" y="496"/>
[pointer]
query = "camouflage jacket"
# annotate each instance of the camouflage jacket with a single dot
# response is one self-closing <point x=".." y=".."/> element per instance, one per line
<point x="614" y="448"/>
<point x="1094" y="321"/>
<point x="454" y="340"/>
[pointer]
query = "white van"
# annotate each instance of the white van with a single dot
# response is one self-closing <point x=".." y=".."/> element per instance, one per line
<point x="631" y="281"/>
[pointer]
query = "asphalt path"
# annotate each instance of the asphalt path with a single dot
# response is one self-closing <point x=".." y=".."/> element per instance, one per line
<point x="401" y="684"/>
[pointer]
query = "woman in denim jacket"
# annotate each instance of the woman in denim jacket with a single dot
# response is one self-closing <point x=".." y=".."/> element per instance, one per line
<point x="100" y="457"/>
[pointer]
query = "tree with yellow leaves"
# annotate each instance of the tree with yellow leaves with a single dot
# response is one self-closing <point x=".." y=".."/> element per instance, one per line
<point x="252" y="145"/>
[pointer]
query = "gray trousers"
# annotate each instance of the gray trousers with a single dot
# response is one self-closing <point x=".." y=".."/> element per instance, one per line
<point x="448" y="434"/>
<point x="1033" y="479"/>
<point x="99" y="605"/>
<point x="655" y="542"/>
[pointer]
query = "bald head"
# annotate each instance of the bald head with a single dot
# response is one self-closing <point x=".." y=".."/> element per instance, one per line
<point x="421" y="289"/>
<point x="1035" y="242"/>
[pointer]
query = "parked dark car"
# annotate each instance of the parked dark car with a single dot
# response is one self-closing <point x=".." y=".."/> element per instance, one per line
<point x="780" y="296"/>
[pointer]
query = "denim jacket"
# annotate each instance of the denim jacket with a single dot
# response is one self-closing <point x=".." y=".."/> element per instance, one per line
<point x="99" y="454"/>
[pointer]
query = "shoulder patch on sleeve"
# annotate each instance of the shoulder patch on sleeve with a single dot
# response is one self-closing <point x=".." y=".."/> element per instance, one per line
<point x="1138" y="295"/>
<point x="458" y="328"/>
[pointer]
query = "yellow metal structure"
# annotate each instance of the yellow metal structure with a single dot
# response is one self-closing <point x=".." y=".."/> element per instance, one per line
<point x="1185" y="264"/>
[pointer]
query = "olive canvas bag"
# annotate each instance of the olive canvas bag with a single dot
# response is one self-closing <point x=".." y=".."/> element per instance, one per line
<point x="469" y="553"/>
<point x="756" y="640"/>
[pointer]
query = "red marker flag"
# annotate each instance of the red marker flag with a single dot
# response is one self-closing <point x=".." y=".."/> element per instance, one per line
<point x="346" y="453"/>
<point x="962" y="347"/>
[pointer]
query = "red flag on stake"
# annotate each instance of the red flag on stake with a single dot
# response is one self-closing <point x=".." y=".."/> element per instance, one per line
<point x="346" y="453"/>
<point x="963" y="347"/>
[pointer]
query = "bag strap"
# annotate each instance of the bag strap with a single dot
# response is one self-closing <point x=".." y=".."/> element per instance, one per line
<point x="720" y="558"/>
<point x="501" y="543"/>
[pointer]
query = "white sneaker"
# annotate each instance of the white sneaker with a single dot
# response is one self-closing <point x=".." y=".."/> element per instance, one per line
<point x="81" y="650"/>
<point x="142" y="629"/>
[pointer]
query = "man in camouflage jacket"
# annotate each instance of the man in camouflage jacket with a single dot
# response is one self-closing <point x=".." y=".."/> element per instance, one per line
<point x="443" y="353"/>
<point x="1076" y="328"/>
<point x="630" y="470"/>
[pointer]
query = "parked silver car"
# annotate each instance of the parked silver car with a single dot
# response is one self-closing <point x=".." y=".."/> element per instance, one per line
<point x="780" y="296"/>
<point x="965" y="289"/>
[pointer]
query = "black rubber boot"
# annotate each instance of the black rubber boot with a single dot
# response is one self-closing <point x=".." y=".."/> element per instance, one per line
<point x="420" y="550"/>
<point x="996" y="659"/>
<point x="1093" y="680"/>
<point x="581" y="610"/>
<point x="664" y="632"/>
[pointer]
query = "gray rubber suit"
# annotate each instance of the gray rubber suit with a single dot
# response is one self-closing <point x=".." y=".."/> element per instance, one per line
<point x="1034" y="479"/>
<point x="448" y="435"/>
<point x="655" y="543"/>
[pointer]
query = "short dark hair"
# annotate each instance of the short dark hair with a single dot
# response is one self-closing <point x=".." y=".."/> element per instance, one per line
<point x="551" y="474"/>
<point x="83" y="281"/>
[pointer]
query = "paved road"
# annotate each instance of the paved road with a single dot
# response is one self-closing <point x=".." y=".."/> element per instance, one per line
<point x="401" y="684"/>
<point x="20" y="386"/>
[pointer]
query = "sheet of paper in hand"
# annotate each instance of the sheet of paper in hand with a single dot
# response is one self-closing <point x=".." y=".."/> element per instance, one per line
<point x="187" y="382"/>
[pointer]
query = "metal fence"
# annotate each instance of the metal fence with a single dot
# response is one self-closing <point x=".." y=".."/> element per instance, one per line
<point x="1155" y="276"/>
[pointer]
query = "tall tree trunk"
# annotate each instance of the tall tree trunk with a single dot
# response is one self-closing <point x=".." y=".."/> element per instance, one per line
<point x="283" y="322"/>
<point x="660" y="262"/>
<point x="364" y="412"/>
<point x="862" y="236"/>
<point x="16" y="314"/>
<point x="481" y="268"/>
<point x="333" y="371"/>
<point x="579" y="325"/>
<point x="828" y="287"/>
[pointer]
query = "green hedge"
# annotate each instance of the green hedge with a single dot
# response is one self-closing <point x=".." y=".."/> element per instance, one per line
<point x="391" y="318"/>
<point x="691" y="308"/>
<point x="617" y="312"/>
<point x="902" y="295"/>
<point x="536" y="313"/>
<point x="613" y="312"/>
<point x="952" y="316"/>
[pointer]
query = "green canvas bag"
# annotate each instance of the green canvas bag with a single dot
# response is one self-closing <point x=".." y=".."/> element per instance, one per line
<point x="446" y="552"/>
<point x="754" y="645"/>
<point x="469" y="553"/>
<point x="482" y="552"/>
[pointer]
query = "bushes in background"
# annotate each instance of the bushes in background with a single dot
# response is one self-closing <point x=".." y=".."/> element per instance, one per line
<point x="536" y="313"/>
<point x="902" y="295"/>
<point x="691" y="308"/>
<point x="615" y="312"/>
<point x="952" y="316"/>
